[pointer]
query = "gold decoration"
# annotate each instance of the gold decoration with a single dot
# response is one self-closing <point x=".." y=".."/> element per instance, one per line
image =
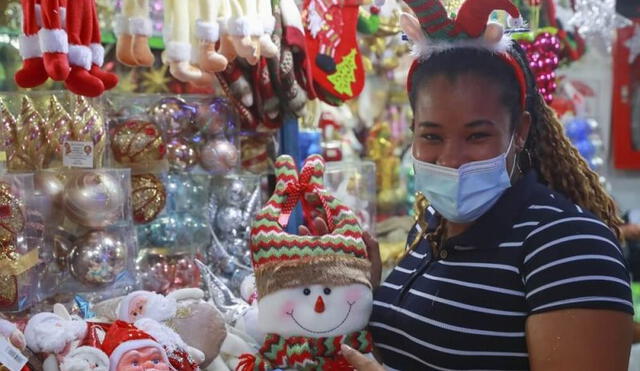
<point x="58" y="128"/>
<point x="8" y="292"/>
<point x="19" y="264"/>
<point x="127" y="84"/>
<point x="137" y="141"/>
<point x="148" y="197"/>
<point x="30" y="151"/>
<point x="156" y="80"/>
<point x="7" y="130"/>
<point x="11" y="215"/>
<point x="88" y="126"/>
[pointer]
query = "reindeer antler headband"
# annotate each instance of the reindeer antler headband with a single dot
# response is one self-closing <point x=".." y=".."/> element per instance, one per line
<point x="432" y="32"/>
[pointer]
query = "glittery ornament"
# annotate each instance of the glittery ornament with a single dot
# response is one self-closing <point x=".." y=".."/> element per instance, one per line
<point x="163" y="273"/>
<point x="48" y="186"/>
<point x="12" y="219"/>
<point x="7" y="130"/>
<point x="148" y="197"/>
<point x="214" y="117"/>
<point x="174" y="116"/>
<point x="137" y="141"/>
<point x="94" y="199"/>
<point x="8" y="292"/>
<point x="193" y="232"/>
<point x="543" y="54"/>
<point x="31" y="150"/>
<point x="181" y="155"/>
<point x="88" y="126"/>
<point x="231" y="306"/>
<point x="634" y="44"/>
<point x="58" y="128"/>
<point x="97" y="258"/>
<point x="163" y="231"/>
<point x="218" y="155"/>
<point x="597" y="20"/>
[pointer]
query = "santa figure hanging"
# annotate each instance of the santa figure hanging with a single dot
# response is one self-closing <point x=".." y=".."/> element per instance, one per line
<point x="314" y="292"/>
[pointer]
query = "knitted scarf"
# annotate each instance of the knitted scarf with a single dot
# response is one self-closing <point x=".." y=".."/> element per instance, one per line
<point x="305" y="353"/>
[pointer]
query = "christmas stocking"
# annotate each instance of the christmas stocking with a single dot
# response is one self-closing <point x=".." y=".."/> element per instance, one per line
<point x="245" y="29"/>
<point x="267" y="48"/>
<point x="80" y="30"/>
<point x="239" y="84"/>
<point x="295" y="38"/>
<point x="53" y="40"/>
<point x="32" y="72"/>
<point x="133" y="29"/>
<point x="337" y="68"/>
<point x="208" y="34"/>
<point x="226" y="43"/>
<point x="268" y="101"/>
<point x="109" y="80"/>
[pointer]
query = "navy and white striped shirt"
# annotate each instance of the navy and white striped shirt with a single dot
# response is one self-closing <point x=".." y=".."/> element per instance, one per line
<point x="534" y="251"/>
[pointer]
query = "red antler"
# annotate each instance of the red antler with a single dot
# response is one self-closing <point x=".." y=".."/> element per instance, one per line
<point x="473" y="15"/>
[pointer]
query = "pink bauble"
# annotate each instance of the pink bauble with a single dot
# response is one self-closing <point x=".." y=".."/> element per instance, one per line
<point x="94" y="199"/>
<point x="218" y="155"/>
<point x="181" y="154"/>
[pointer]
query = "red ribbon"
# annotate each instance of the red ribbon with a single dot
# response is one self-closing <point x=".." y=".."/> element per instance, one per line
<point x="295" y="192"/>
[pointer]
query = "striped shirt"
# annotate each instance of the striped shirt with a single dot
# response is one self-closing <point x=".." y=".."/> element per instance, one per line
<point x="534" y="251"/>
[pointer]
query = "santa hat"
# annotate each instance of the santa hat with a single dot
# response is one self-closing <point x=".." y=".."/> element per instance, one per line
<point x="123" y="337"/>
<point x="282" y="260"/>
<point x="158" y="307"/>
<point x="176" y="348"/>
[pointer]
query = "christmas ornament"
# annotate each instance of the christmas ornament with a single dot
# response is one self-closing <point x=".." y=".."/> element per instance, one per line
<point x="156" y="81"/>
<point x="214" y="117"/>
<point x="218" y="155"/>
<point x="181" y="155"/>
<point x="174" y="115"/>
<point x="634" y="44"/>
<point x="7" y="130"/>
<point x="48" y="186"/>
<point x="97" y="258"/>
<point x="94" y="199"/>
<point x="163" y="231"/>
<point x="58" y="128"/>
<point x="163" y="273"/>
<point x="12" y="219"/>
<point x="8" y="292"/>
<point x="148" y="197"/>
<point x="543" y="54"/>
<point x="137" y="141"/>
<point x="30" y="138"/>
<point x="598" y="20"/>
<point x="88" y="126"/>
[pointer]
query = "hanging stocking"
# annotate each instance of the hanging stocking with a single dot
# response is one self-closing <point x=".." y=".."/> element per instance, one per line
<point x="267" y="48"/>
<point x="32" y="73"/>
<point x="79" y="29"/>
<point x="109" y="80"/>
<point x="337" y="68"/>
<point x="238" y="84"/>
<point x="294" y="37"/>
<point x="268" y="101"/>
<point x="226" y="40"/>
<point x="141" y="29"/>
<point x="245" y="29"/>
<point x="53" y="40"/>
<point x="208" y="34"/>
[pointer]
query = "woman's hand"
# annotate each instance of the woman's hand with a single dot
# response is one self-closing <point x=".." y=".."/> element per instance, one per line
<point x="373" y="248"/>
<point x="359" y="361"/>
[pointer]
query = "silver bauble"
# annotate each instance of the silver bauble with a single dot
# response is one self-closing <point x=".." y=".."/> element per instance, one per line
<point x="218" y="156"/>
<point x="49" y="189"/>
<point x="94" y="199"/>
<point x="236" y="193"/>
<point x="228" y="220"/>
<point x="97" y="258"/>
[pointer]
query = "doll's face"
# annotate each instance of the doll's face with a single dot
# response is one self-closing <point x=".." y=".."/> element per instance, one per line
<point x="136" y="308"/>
<point x="316" y="310"/>
<point x="147" y="359"/>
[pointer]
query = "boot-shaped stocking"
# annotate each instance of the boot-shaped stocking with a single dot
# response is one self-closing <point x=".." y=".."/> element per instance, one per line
<point x="32" y="73"/>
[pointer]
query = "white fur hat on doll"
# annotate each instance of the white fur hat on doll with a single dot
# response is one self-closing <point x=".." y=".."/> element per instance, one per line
<point x="151" y="305"/>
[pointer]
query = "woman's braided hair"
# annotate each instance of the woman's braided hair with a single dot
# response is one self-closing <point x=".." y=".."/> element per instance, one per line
<point x="552" y="155"/>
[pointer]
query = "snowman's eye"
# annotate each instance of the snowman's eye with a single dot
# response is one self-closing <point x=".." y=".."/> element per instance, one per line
<point x="327" y="291"/>
<point x="306" y="291"/>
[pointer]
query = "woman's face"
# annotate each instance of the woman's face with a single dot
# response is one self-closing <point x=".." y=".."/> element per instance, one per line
<point x="464" y="120"/>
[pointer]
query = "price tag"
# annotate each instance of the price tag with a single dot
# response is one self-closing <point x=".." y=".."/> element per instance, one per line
<point x="77" y="154"/>
<point x="10" y="356"/>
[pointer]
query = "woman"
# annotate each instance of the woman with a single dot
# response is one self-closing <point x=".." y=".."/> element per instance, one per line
<point x="516" y="264"/>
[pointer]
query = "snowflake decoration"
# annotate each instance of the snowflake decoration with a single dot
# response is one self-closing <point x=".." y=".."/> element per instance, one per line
<point x="634" y="44"/>
<point x="598" y="20"/>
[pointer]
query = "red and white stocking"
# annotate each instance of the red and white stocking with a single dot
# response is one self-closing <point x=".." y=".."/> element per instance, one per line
<point x="80" y="30"/>
<point x="32" y="72"/>
<point x="109" y="80"/>
<point x="53" y="39"/>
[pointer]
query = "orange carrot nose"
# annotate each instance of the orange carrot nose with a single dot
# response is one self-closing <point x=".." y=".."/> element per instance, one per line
<point x="319" y="305"/>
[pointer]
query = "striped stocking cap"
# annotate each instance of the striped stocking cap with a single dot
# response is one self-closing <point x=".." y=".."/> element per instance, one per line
<point x="282" y="260"/>
<point x="432" y="31"/>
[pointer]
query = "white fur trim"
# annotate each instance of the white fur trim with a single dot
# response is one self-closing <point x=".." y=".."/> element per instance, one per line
<point x="291" y="16"/>
<point x="82" y="357"/>
<point x="207" y="31"/>
<point x="53" y="41"/>
<point x="163" y="334"/>
<point x="245" y="26"/>
<point x="140" y="26"/>
<point x="268" y="24"/>
<point x="186" y="294"/>
<point x="131" y="345"/>
<point x="80" y="55"/>
<point x="178" y="52"/>
<point x="97" y="54"/>
<point x="121" y="25"/>
<point x="427" y="48"/>
<point x="158" y="307"/>
<point x="30" y="46"/>
<point x="48" y="333"/>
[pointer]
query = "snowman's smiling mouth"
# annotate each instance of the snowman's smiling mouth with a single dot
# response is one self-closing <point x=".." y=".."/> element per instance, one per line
<point x="325" y="331"/>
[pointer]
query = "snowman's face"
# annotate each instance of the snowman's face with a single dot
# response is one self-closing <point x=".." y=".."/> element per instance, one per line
<point x="316" y="310"/>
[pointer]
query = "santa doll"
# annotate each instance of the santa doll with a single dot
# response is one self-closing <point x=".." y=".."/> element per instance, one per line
<point x="131" y="349"/>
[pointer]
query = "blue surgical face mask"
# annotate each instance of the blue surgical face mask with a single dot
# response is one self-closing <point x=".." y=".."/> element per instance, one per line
<point x="464" y="194"/>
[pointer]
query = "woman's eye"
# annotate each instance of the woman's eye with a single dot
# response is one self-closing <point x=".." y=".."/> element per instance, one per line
<point x="431" y="137"/>
<point x="477" y="136"/>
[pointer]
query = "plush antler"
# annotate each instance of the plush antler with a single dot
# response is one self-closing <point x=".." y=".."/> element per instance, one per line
<point x="473" y="16"/>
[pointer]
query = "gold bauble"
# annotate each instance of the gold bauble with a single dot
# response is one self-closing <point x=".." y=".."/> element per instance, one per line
<point x="137" y="141"/>
<point x="148" y="197"/>
<point x="58" y="128"/>
<point x="88" y="126"/>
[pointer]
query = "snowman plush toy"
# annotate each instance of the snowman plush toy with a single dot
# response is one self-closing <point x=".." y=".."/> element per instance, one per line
<point x="314" y="292"/>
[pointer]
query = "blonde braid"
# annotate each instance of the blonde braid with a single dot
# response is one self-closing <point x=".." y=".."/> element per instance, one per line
<point x="563" y="168"/>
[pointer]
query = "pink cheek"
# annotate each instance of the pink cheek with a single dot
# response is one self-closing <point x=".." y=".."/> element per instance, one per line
<point x="287" y="308"/>
<point x="354" y="294"/>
